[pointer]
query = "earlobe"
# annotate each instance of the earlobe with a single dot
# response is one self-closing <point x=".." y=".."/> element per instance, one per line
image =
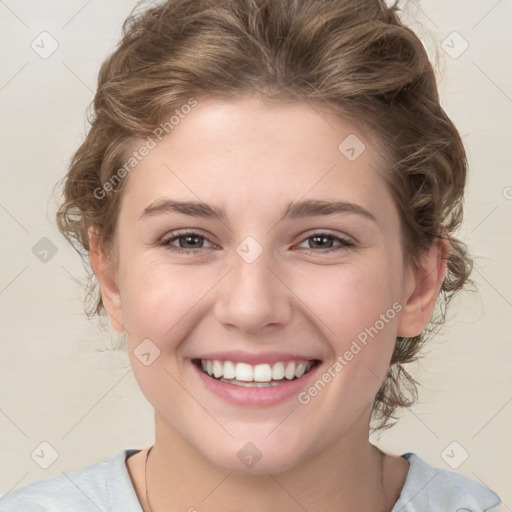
<point x="105" y="272"/>
<point x="422" y="287"/>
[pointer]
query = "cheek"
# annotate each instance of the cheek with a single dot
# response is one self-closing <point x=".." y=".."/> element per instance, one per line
<point x="358" y="309"/>
<point x="351" y="298"/>
<point x="159" y="300"/>
<point x="160" y="303"/>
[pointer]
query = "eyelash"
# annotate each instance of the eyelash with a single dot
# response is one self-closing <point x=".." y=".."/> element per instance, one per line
<point x="345" y="244"/>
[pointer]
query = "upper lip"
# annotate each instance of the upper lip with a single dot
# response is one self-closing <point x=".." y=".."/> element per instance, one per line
<point x="254" y="358"/>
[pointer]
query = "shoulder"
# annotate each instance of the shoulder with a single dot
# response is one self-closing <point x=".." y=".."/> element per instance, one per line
<point x="435" y="489"/>
<point x="92" y="487"/>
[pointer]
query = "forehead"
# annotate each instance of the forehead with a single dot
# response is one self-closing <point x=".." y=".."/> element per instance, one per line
<point x="250" y="155"/>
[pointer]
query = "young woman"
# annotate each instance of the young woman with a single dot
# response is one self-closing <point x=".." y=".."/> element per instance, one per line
<point x="268" y="196"/>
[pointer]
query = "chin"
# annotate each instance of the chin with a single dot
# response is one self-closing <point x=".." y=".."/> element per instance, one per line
<point x="256" y="458"/>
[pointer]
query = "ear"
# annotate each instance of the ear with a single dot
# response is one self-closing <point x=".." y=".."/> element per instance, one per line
<point x="422" y="287"/>
<point x="105" y="272"/>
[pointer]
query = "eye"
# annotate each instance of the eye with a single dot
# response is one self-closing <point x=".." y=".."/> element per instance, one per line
<point x="324" y="241"/>
<point x="189" y="242"/>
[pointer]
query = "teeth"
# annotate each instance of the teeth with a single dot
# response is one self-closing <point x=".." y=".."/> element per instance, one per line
<point x="217" y="369"/>
<point x="300" y="370"/>
<point x="263" y="374"/>
<point x="251" y="384"/>
<point x="243" y="372"/>
<point x="278" y="371"/>
<point x="229" y="370"/>
<point x="289" y="373"/>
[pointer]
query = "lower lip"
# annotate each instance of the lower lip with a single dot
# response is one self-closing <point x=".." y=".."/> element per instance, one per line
<point x="251" y="397"/>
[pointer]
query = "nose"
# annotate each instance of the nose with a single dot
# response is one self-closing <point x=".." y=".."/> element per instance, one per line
<point x="253" y="296"/>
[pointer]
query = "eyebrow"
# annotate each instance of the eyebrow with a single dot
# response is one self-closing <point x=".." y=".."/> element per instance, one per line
<point x="294" y="210"/>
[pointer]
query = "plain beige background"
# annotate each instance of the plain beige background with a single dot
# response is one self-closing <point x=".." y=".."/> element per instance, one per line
<point x="60" y="383"/>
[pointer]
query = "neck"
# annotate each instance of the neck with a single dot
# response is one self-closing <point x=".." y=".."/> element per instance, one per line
<point x="347" y="477"/>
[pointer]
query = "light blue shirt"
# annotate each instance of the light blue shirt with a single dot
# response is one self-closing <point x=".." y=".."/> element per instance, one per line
<point x="107" y="487"/>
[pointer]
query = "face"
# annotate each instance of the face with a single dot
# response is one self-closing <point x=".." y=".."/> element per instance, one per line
<point x="231" y="250"/>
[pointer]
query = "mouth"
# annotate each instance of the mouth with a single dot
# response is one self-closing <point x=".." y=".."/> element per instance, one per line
<point x="255" y="376"/>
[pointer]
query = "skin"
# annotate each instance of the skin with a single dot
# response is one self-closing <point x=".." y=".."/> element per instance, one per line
<point x="251" y="159"/>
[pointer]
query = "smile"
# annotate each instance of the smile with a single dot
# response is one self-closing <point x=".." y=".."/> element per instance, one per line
<point x="259" y="375"/>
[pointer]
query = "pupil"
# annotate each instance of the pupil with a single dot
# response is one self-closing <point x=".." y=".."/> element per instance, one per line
<point x="191" y="237"/>
<point x="323" y="238"/>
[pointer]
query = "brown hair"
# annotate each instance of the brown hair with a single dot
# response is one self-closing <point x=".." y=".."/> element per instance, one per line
<point x="356" y="58"/>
